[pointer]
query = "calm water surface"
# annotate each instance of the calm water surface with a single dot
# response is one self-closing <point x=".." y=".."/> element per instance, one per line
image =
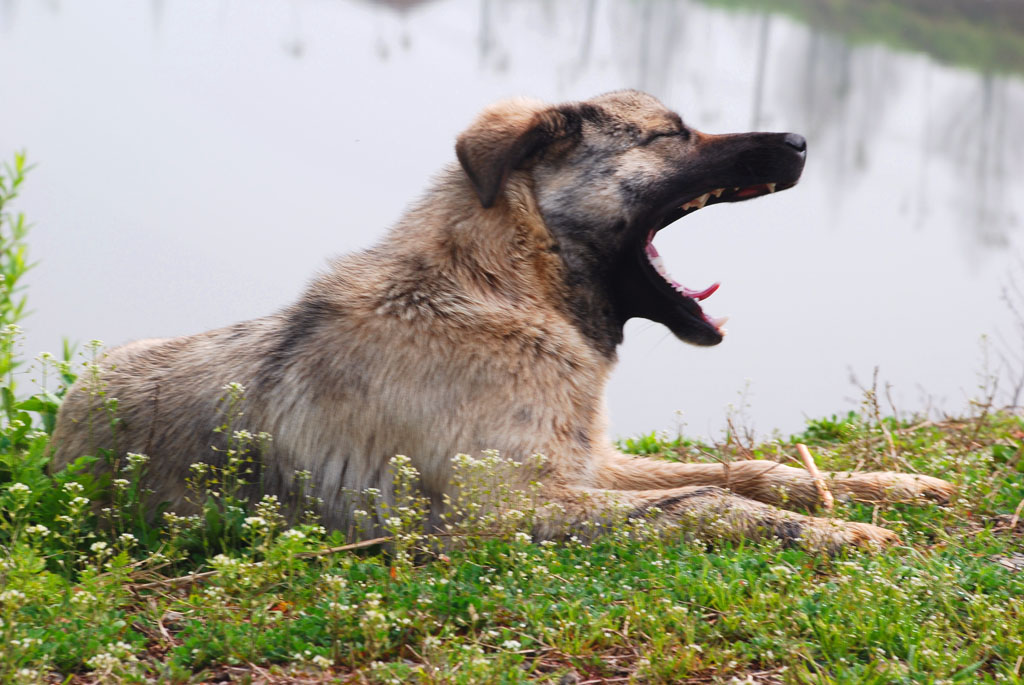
<point x="198" y="161"/>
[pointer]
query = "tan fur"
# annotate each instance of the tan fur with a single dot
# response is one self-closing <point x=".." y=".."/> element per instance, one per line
<point x="452" y="335"/>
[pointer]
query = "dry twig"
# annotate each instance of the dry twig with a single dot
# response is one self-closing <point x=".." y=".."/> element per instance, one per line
<point x="827" y="501"/>
<point x="194" y="577"/>
<point x="1016" y="515"/>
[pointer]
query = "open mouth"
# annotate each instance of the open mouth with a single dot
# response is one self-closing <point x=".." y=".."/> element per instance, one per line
<point x="689" y="297"/>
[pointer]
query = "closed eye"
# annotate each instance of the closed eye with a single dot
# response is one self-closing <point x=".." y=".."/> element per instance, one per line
<point x="684" y="134"/>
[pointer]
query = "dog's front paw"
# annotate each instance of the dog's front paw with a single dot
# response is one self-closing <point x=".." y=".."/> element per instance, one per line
<point x="887" y="486"/>
<point x="833" y="535"/>
<point x="907" y="486"/>
<point x="868" y="535"/>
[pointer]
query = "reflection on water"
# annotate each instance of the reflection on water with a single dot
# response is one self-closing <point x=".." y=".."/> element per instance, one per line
<point x="197" y="160"/>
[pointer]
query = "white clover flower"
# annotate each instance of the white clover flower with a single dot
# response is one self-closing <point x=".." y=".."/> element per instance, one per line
<point x="27" y="675"/>
<point x="136" y="459"/>
<point x="336" y="581"/>
<point x="11" y="596"/>
<point x="400" y="459"/>
<point x="254" y="522"/>
<point x="222" y="561"/>
<point x="463" y="461"/>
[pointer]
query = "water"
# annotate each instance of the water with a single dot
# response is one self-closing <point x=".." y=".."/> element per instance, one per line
<point x="198" y="161"/>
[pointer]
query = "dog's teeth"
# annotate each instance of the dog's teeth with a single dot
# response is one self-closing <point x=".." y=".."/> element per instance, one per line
<point x="656" y="262"/>
<point x="697" y="202"/>
<point x="719" y="323"/>
<point x="771" y="187"/>
<point x="718" y="193"/>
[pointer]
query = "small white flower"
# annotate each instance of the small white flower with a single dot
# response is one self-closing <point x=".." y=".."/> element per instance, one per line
<point x="136" y="459"/>
<point x="98" y="547"/>
<point x="19" y="489"/>
<point x="511" y="645"/>
<point x="11" y="596"/>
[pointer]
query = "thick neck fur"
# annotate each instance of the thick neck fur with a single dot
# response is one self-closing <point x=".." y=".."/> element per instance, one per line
<point x="503" y="256"/>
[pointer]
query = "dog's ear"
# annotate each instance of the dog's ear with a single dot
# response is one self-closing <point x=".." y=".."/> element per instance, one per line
<point x="505" y="136"/>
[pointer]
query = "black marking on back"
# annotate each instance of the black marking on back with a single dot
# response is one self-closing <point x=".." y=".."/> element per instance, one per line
<point x="301" y="321"/>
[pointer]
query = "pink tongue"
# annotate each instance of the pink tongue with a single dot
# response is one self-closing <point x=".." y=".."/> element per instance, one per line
<point x="695" y="294"/>
<point x="701" y="294"/>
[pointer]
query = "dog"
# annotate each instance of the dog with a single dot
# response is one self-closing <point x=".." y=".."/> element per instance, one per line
<point x="487" y="318"/>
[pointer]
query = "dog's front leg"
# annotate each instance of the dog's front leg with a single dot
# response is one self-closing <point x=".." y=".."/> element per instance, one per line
<point x="768" y="481"/>
<point x="709" y="512"/>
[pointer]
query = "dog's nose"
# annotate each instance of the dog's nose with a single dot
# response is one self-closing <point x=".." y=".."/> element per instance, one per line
<point x="796" y="141"/>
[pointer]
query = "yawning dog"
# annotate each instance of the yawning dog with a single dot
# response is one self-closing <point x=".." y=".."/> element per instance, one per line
<point x="487" y="318"/>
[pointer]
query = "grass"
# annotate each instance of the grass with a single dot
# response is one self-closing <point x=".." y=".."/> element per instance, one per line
<point x="984" y="36"/>
<point x="90" y="593"/>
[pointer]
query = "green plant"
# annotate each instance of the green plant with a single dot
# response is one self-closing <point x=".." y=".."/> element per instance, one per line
<point x="90" y="592"/>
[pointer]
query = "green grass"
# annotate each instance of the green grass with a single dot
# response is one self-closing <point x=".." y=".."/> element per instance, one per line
<point x="984" y="36"/>
<point x="94" y="595"/>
